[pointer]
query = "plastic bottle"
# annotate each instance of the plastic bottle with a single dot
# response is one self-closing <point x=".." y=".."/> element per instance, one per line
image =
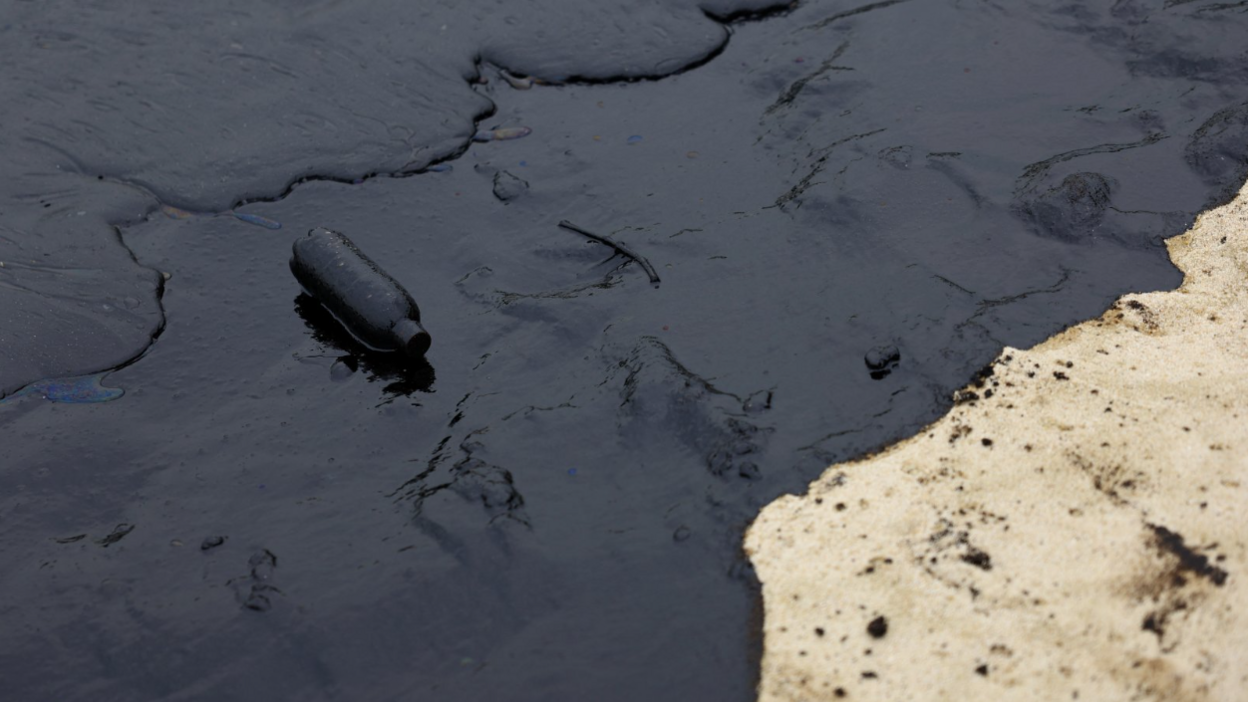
<point x="377" y="311"/>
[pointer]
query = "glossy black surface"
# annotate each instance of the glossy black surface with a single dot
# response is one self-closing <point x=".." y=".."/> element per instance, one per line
<point x="556" y="512"/>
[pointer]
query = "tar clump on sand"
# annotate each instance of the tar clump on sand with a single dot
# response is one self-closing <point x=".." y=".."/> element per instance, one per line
<point x="365" y="299"/>
<point x="878" y="627"/>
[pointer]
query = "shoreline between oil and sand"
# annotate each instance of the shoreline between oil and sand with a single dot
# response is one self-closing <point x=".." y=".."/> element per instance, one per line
<point x="1071" y="529"/>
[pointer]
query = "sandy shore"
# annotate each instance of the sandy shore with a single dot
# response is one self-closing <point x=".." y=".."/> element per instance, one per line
<point x="1074" y="528"/>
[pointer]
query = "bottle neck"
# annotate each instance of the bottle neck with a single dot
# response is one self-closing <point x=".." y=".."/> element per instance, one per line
<point x="412" y="338"/>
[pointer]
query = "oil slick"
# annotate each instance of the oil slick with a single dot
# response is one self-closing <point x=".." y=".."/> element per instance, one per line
<point x="501" y="134"/>
<point x="85" y="389"/>
<point x="256" y="220"/>
<point x="178" y="213"/>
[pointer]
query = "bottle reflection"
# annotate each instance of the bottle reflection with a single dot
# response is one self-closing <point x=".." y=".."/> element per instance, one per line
<point x="402" y="375"/>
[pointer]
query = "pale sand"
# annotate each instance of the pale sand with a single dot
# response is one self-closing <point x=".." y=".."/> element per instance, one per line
<point x="1079" y="531"/>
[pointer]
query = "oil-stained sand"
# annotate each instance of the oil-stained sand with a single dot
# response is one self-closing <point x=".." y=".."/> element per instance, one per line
<point x="1072" y="529"/>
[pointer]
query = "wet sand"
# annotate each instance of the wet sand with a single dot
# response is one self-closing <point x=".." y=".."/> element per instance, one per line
<point x="1071" y="529"/>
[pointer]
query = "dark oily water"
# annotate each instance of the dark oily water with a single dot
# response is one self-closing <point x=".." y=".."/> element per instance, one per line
<point x="551" y="507"/>
<point x="112" y="108"/>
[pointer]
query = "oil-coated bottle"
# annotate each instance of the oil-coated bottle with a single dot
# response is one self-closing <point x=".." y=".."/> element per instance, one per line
<point x="365" y="299"/>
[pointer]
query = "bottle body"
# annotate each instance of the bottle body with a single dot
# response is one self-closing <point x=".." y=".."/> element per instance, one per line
<point x="371" y="305"/>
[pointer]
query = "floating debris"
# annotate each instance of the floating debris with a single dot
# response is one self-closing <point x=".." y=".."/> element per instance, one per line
<point x="256" y="220"/>
<point x="620" y="248"/>
<point x="74" y="391"/>
<point x="117" y="534"/>
<point x="517" y="82"/>
<point x="440" y="168"/>
<point x="211" y="542"/>
<point x="508" y="187"/>
<point x="881" y="361"/>
<point x="259" y="596"/>
<point x="501" y="134"/>
<point x="634" y="139"/>
<point x="369" y="303"/>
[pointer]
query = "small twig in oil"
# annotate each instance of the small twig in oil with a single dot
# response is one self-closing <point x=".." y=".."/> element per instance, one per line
<point x="620" y="248"/>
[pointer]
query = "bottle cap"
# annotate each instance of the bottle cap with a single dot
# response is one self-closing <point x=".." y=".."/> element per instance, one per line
<point x="413" y="340"/>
